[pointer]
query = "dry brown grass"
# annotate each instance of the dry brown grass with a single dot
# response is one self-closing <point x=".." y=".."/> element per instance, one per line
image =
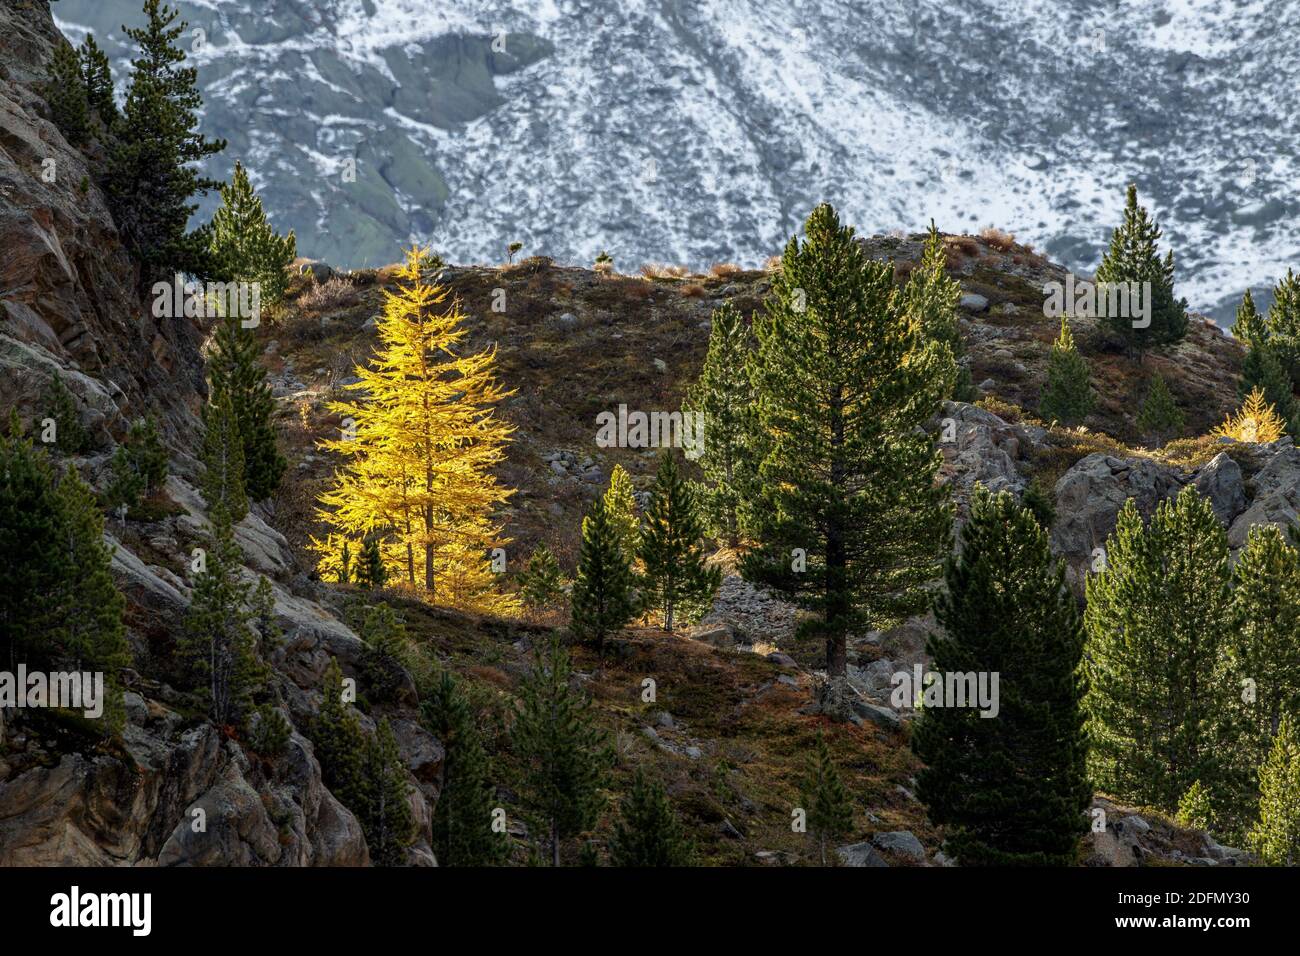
<point x="773" y="264"/>
<point x="724" y="270"/>
<point x="965" y="245"/>
<point x="336" y="292"/>
<point x="998" y="239"/>
<point x="661" y="270"/>
<point x="694" y="291"/>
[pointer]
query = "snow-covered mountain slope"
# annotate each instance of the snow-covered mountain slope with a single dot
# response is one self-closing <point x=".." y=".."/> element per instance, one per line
<point x="703" y="131"/>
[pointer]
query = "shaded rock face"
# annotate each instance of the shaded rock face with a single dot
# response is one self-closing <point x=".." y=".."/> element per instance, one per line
<point x="68" y="300"/>
<point x="1276" y="494"/>
<point x="978" y="446"/>
<point x="1090" y="495"/>
<point x="182" y="793"/>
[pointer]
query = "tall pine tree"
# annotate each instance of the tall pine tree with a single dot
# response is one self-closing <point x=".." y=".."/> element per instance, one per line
<point x="235" y="372"/>
<point x="541" y="583"/>
<point x="564" y="755"/>
<point x="153" y="162"/>
<point x="340" y="743"/>
<point x="930" y="299"/>
<point x="852" y="521"/>
<point x="1068" y="396"/>
<point x="1264" y="657"/>
<point x="826" y="802"/>
<point x="1275" y="838"/>
<point x="1157" y="619"/>
<point x="223" y="460"/>
<point x="648" y="832"/>
<point x="98" y="77"/>
<point x="603" y="598"/>
<point x="1134" y="256"/>
<point x="59" y="607"/>
<point x="621" y="510"/>
<point x="244" y="247"/>
<point x="65" y="92"/>
<point x="1249" y="327"/>
<point x="386" y="819"/>
<point x="1282" y="325"/>
<point x="723" y="396"/>
<point x="462" y="819"/>
<point x="220" y="643"/>
<point x="676" y="580"/>
<point x="1012" y="788"/>
<point x="1159" y="418"/>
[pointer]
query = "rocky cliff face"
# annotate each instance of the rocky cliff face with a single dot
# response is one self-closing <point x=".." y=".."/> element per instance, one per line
<point x="68" y="297"/>
<point x="69" y="306"/>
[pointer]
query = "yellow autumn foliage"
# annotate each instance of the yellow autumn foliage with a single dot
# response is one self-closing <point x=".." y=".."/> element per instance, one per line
<point x="420" y="452"/>
<point x="1256" y="421"/>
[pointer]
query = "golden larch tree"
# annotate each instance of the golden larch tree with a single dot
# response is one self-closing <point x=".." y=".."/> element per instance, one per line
<point x="421" y="448"/>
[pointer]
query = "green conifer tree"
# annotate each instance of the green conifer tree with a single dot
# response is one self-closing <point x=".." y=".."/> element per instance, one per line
<point x="1134" y="256"/>
<point x="30" y="530"/>
<point x="388" y="659"/>
<point x="603" y="600"/>
<point x="98" y="76"/>
<point x="677" y="580"/>
<point x="234" y="371"/>
<point x="156" y="153"/>
<point x="723" y="397"/>
<point x="148" y="454"/>
<point x="620" y="509"/>
<point x="1068" y="396"/>
<point x="851" y="519"/>
<point x="70" y="437"/>
<point x="1194" y="809"/>
<point x="826" y="802"/>
<point x="564" y="755"/>
<point x="930" y="298"/>
<point x="541" y="583"/>
<point x="244" y="247"/>
<point x="125" y="486"/>
<point x="462" y="819"/>
<point x="387" y="820"/>
<point x="1012" y="788"/>
<point x="1264" y="659"/>
<point x="648" y="832"/>
<point x="340" y="743"/>
<point x="1282" y="326"/>
<point x="1249" y="327"/>
<point x="91" y="631"/>
<point x="1040" y="503"/>
<point x="65" y="92"/>
<point x="1157" y="619"/>
<point x="1159" y="418"/>
<point x="371" y="573"/>
<point x="1275" y="838"/>
<point x="223" y="460"/>
<point x="345" y="563"/>
<point x="219" y="644"/>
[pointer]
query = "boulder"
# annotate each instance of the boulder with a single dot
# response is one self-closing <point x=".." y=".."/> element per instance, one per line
<point x="859" y="854"/>
<point x="1220" y="481"/>
<point x="1090" y="495"/>
<point x="1277" y="495"/>
<point x="901" y="842"/>
<point x="978" y="446"/>
<point x="319" y="271"/>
